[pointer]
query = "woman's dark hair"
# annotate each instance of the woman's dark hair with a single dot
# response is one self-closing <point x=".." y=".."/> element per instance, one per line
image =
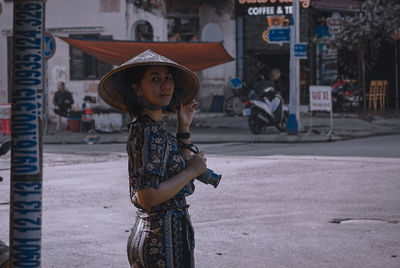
<point x="128" y="77"/>
<point x="132" y="102"/>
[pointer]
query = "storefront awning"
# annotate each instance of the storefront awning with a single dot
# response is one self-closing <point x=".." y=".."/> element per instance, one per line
<point x="196" y="56"/>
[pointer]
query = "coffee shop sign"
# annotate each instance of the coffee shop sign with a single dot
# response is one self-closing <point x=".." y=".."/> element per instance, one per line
<point x="305" y="3"/>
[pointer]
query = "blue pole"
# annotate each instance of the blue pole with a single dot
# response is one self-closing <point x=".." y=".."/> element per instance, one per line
<point x="292" y="124"/>
<point x="26" y="134"/>
<point x="239" y="46"/>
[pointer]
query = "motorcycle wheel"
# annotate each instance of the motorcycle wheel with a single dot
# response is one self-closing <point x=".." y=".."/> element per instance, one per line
<point x="256" y="125"/>
<point x="233" y="106"/>
<point x="281" y="126"/>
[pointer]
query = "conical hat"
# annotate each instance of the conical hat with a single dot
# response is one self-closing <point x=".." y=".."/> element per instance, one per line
<point x="184" y="79"/>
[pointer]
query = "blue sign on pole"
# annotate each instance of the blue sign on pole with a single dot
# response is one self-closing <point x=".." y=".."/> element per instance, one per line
<point x="49" y="45"/>
<point x="300" y="50"/>
<point x="279" y="34"/>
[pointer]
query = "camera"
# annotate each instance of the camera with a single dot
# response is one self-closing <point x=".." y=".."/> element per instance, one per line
<point x="209" y="177"/>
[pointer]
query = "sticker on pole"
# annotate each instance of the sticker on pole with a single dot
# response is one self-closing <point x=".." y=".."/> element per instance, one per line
<point x="320" y="98"/>
<point x="300" y="50"/>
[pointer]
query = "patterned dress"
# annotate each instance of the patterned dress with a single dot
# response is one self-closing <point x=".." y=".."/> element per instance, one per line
<point x="162" y="236"/>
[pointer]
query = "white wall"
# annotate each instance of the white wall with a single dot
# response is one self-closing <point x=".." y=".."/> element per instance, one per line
<point x="159" y="23"/>
<point x="78" y="17"/>
<point x="214" y="80"/>
<point x="6" y="22"/>
<point x="65" y="17"/>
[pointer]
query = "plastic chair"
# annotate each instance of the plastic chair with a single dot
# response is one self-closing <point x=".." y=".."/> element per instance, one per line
<point x="6" y="126"/>
<point x="378" y="95"/>
<point x="384" y="98"/>
<point x="371" y="96"/>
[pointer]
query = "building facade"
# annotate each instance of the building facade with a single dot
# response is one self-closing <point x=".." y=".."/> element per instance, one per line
<point x="137" y="20"/>
<point x="243" y="27"/>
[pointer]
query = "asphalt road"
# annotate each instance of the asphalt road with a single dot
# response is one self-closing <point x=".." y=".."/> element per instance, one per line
<point x="331" y="204"/>
<point x="381" y="146"/>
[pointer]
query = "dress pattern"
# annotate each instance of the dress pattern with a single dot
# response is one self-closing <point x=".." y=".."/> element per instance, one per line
<point x="162" y="236"/>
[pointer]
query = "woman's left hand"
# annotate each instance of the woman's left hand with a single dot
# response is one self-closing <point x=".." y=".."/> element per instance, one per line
<point x="185" y="115"/>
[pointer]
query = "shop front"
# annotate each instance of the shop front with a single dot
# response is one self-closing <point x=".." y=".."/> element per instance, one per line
<point x="263" y="46"/>
<point x="381" y="55"/>
<point x="264" y="31"/>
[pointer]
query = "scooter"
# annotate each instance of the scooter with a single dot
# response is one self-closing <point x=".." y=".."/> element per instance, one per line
<point x="266" y="110"/>
<point x="345" y="95"/>
<point x="234" y="104"/>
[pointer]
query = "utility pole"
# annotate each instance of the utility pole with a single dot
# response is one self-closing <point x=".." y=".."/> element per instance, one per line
<point x="294" y="114"/>
<point x="26" y="134"/>
<point x="397" y="73"/>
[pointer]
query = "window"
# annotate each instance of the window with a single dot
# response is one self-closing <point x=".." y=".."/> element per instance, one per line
<point x="182" y="29"/>
<point x="110" y="6"/>
<point x="183" y="20"/>
<point x="84" y="66"/>
<point x="143" y="31"/>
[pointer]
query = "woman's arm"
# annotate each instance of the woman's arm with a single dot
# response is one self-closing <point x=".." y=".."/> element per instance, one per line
<point x="150" y="197"/>
<point x="185" y="116"/>
<point x="195" y="165"/>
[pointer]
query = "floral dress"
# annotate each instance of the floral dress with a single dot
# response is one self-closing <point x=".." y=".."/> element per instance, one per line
<point x="162" y="236"/>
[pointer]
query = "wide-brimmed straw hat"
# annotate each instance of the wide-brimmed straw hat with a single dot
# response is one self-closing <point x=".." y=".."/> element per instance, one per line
<point x="185" y="80"/>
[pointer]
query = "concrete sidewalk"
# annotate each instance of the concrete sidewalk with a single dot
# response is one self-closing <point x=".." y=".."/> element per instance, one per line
<point x="220" y="128"/>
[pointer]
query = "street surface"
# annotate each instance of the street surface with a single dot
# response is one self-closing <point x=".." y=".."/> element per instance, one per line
<point x="334" y="204"/>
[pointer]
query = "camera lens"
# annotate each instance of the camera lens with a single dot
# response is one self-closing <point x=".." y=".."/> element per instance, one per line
<point x="214" y="179"/>
<point x="209" y="177"/>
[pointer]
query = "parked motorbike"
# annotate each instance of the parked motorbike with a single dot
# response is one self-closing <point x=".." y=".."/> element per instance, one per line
<point x="234" y="104"/>
<point x="345" y="95"/>
<point x="268" y="109"/>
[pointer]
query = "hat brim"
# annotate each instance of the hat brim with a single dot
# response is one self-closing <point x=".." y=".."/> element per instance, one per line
<point x="184" y="79"/>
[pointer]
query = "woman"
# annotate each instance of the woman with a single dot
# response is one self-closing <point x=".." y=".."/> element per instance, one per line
<point x="161" y="172"/>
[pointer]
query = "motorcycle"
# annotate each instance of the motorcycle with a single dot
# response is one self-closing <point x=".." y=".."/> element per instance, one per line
<point x="345" y="95"/>
<point x="266" y="110"/>
<point x="234" y="104"/>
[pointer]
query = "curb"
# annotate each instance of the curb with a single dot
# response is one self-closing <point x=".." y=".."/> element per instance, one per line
<point x="210" y="138"/>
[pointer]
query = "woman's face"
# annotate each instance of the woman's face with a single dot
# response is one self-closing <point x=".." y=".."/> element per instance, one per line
<point x="156" y="86"/>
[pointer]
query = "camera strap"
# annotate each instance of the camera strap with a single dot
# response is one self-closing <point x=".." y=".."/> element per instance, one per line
<point x="188" y="146"/>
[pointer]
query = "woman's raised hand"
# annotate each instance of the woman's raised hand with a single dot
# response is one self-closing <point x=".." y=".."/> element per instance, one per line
<point x="185" y="114"/>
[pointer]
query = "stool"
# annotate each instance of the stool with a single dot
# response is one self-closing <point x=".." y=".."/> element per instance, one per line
<point x="5" y="117"/>
<point x="73" y="124"/>
<point x="62" y="123"/>
<point x="86" y="124"/>
<point x="6" y="126"/>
